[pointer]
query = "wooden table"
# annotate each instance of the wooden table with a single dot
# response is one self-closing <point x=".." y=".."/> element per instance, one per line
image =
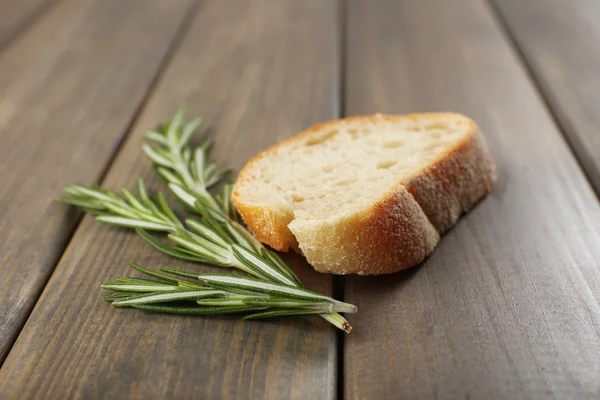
<point x="506" y="308"/>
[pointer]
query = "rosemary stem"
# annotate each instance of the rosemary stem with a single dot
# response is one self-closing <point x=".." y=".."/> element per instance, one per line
<point x="338" y="321"/>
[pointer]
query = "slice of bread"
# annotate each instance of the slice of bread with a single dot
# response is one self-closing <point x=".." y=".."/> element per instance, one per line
<point x="366" y="195"/>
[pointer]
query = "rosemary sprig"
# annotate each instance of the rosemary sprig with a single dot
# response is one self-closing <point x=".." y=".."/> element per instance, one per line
<point x="219" y="238"/>
<point x="218" y="291"/>
<point x="187" y="184"/>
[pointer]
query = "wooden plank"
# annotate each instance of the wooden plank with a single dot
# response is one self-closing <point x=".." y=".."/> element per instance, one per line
<point x="508" y="305"/>
<point x="257" y="71"/>
<point x="17" y="15"/>
<point x="559" y="40"/>
<point x="70" y="87"/>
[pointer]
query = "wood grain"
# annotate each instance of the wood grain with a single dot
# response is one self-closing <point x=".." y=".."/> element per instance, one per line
<point x="559" y="40"/>
<point x="70" y="87"/>
<point x="18" y="15"/>
<point x="507" y="307"/>
<point x="258" y="71"/>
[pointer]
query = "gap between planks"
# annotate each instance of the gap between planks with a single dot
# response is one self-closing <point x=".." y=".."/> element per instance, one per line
<point x="529" y="72"/>
<point x="339" y="280"/>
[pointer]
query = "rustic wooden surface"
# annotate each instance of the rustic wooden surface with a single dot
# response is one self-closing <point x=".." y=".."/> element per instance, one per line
<point x="18" y="15"/>
<point x="69" y="88"/>
<point x="507" y="306"/>
<point x="76" y="346"/>
<point x="559" y="41"/>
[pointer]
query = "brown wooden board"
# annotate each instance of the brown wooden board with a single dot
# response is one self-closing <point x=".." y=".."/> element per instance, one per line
<point x="18" y="15"/>
<point x="258" y="71"/>
<point x="508" y="305"/>
<point x="559" y="42"/>
<point x="69" y="88"/>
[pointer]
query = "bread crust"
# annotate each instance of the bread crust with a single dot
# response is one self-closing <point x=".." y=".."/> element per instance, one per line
<point x="399" y="230"/>
<point x="267" y="225"/>
<point x="392" y="235"/>
<point x="455" y="181"/>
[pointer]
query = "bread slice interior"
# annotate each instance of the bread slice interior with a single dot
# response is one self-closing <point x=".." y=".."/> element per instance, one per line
<point x="347" y="167"/>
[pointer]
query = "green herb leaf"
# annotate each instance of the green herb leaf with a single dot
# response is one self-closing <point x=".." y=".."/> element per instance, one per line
<point x="168" y="297"/>
<point x="279" y="313"/>
<point x="197" y="310"/>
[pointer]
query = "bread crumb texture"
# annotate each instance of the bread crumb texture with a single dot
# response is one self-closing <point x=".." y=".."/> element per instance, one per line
<point x="366" y="195"/>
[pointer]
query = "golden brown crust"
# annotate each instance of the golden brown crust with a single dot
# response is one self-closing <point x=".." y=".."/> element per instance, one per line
<point x="453" y="183"/>
<point x="400" y="230"/>
<point x="392" y="235"/>
<point x="267" y="226"/>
